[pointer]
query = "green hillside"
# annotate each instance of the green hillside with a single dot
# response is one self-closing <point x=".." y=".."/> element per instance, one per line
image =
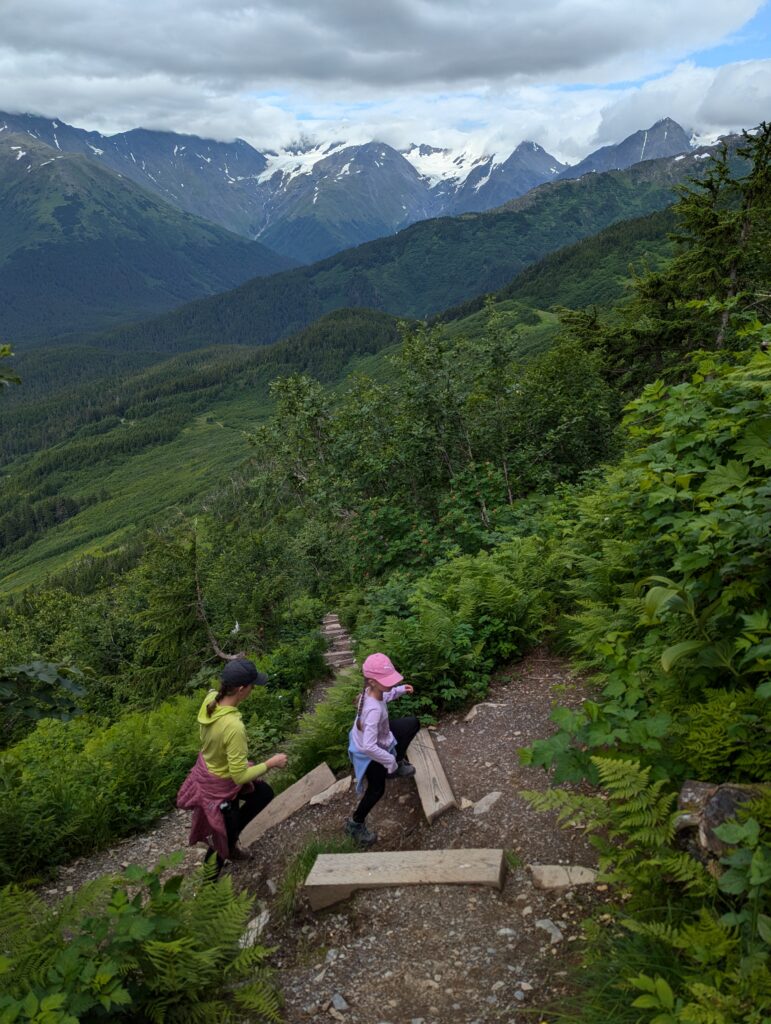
<point x="129" y="435"/>
<point x="595" y="271"/>
<point x="424" y="269"/>
<point x="83" y="249"/>
<point x="114" y="454"/>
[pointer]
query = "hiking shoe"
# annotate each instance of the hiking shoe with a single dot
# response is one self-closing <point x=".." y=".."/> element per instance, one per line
<point x="358" y="830"/>
<point x="404" y="770"/>
<point x="240" y="854"/>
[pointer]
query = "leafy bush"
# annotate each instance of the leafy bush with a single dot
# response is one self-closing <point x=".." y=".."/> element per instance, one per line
<point x="671" y="579"/>
<point x="467" y="615"/>
<point x="699" y="949"/>
<point x="136" y="947"/>
<point x="70" y="787"/>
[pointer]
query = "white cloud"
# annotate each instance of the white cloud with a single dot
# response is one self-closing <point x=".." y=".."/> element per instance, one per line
<point x="400" y="70"/>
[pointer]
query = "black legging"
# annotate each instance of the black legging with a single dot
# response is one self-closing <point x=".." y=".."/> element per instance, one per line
<point x="241" y="810"/>
<point x="404" y="731"/>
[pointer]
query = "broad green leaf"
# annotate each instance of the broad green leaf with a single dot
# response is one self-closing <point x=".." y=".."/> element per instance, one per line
<point x="755" y="443"/>
<point x="665" y="994"/>
<point x="764" y="928"/>
<point x="673" y="654"/>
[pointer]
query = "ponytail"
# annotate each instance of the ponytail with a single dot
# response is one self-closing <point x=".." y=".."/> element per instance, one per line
<point x="211" y="707"/>
<point x="359" y="703"/>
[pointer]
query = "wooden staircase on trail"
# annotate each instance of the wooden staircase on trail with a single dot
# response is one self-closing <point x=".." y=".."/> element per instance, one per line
<point x="339" y="654"/>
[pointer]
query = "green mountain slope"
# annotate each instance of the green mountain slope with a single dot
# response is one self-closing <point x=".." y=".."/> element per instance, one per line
<point x="83" y="249"/>
<point x="596" y="271"/>
<point x="121" y="452"/>
<point x="426" y="268"/>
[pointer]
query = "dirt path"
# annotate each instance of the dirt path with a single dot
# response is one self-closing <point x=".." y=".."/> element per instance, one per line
<point x="429" y="954"/>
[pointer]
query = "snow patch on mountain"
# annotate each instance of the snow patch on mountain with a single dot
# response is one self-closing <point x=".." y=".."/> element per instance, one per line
<point x="296" y="160"/>
<point x="445" y="165"/>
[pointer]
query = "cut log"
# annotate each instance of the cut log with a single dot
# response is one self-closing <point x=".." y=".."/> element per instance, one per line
<point x="335" y="876"/>
<point x="288" y="802"/>
<point x="434" y="790"/>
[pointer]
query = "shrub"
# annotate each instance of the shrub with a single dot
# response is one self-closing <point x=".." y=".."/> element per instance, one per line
<point x="133" y="948"/>
<point x="70" y="787"/>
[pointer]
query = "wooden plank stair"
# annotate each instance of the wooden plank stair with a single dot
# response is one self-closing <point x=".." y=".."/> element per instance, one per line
<point x="434" y="789"/>
<point x="288" y="802"/>
<point x="335" y="876"/>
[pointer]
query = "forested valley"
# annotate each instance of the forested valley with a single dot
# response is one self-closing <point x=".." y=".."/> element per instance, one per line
<point x="572" y="459"/>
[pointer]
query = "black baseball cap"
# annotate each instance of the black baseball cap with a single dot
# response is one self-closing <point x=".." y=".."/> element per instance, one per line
<point x="243" y="672"/>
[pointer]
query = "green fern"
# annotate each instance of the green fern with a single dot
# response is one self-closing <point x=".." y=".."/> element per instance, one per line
<point x="139" y="948"/>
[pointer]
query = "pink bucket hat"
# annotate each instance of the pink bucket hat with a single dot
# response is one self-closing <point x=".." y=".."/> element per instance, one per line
<point x="380" y="668"/>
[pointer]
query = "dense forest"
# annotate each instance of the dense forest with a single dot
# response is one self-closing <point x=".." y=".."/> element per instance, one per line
<point x="609" y="493"/>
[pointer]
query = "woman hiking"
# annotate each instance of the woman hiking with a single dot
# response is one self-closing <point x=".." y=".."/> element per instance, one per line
<point x="377" y="747"/>
<point x="224" y="790"/>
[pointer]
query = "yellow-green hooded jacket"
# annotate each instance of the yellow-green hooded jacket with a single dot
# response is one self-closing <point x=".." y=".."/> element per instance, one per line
<point x="223" y="743"/>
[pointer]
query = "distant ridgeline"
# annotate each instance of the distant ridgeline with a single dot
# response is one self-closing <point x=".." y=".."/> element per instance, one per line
<point x="311" y="200"/>
<point x="419" y="272"/>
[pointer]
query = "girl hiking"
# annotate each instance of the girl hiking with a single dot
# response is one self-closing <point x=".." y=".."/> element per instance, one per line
<point x="377" y="747"/>
<point x="224" y="790"/>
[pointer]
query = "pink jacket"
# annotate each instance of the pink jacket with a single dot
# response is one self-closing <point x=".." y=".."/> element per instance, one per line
<point x="203" y="792"/>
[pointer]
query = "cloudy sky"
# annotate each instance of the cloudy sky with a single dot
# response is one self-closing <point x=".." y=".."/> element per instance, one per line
<point x="570" y="74"/>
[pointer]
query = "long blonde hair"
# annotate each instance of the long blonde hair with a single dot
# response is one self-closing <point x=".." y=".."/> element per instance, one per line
<point x="359" y="703"/>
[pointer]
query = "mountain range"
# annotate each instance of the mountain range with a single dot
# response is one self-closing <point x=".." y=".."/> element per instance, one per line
<point x="82" y="248"/>
<point x="311" y="200"/>
<point x="425" y="268"/>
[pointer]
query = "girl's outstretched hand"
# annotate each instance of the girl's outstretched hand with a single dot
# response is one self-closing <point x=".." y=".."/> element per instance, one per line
<point x="408" y="688"/>
<point x="277" y="761"/>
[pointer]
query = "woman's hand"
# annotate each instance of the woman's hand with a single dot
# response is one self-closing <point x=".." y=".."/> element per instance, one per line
<point x="408" y="688"/>
<point x="277" y="761"/>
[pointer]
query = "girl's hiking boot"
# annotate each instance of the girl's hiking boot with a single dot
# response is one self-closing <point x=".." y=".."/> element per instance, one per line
<point x="358" y="830"/>
<point x="404" y="770"/>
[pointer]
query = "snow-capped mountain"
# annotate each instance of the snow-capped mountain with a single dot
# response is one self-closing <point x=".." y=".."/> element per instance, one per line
<point x="664" y="138"/>
<point x="312" y="199"/>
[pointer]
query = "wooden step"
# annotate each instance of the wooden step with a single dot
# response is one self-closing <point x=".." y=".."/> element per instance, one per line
<point x="335" y="876"/>
<point x="336" y="660"/>
<point x="288" y="802"/>
<point x="434" y="789"/>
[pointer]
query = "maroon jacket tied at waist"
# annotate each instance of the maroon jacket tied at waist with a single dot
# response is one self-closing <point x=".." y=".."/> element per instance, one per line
<point x="202" y="792"/>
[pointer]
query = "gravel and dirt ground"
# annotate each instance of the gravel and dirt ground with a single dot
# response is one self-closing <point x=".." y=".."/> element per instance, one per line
<point x="424" y="954"/>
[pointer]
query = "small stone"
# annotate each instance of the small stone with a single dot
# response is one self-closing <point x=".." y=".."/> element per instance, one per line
<point x="497" y="986"/>
<point x="465" y="803"/>
<point x="555" y="876"/>
<point x="506" y="931"/>
<point x="483" y="806"/>
<point x="335" y="1013"/>
<point x="550" y="928"/>
<point x="338" y="1002"/>
<point x="526" y="911"/>
<point x="525" y="986"/>
<point x="272" y="886"/>
<point x="332" y="955"/>
<point x="519" y="996"/>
